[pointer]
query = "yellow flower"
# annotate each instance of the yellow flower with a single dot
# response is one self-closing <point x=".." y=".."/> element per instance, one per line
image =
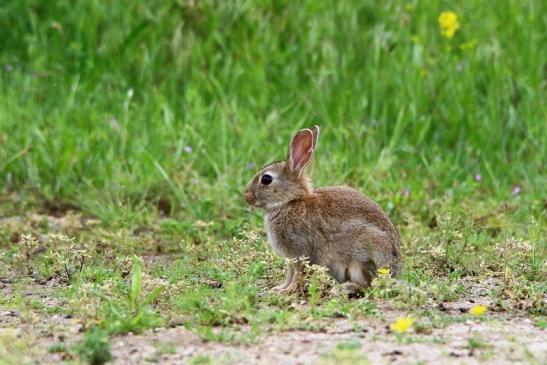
<point x="384" y="271"/>
<point x="448" y="22"/>
<point x="478" y="310"/>
<point x="401" y="325"/>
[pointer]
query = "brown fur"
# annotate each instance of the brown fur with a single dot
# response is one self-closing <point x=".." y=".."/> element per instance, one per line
<point x="337" y="227"/>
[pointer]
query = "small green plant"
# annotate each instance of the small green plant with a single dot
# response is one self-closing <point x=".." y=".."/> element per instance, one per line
<point x="200" y="360"/>
<point x="133" y="313"/>
<point x="66" y="258"/>
<point x="95" y="347"/>
<point x="348" y="346"/>
<point x="28" y="247"/>
<point x="477" y="342"/>
<point x="541" y="323"/>
<point x="345" y="353"/>
<point x="396" y="290"/>
<point x="319" y="283"/>
<point x="166" y="347"/>
<point x="57" y="347"/>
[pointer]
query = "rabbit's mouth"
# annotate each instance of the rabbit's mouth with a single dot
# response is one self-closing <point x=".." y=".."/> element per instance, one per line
<point x="250" y="198"/>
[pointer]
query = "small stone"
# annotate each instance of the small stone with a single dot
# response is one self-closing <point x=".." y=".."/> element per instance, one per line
<point x="212" y="283"/>
<point x="393" y="353"/>
<point x="338" y="314"/>
<point x="66" y="356"/>
<point x="175" y="323"/>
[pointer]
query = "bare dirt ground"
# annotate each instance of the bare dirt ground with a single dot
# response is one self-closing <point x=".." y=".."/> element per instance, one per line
<point x="507" y="341"/>
<point x="500" y="339"/>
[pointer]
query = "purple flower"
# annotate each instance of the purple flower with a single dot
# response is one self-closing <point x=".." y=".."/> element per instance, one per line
<point x="516" y="190"/>
<point x="478" y="177"/>
<point x="406" y="192"/>
<point x="250" y="165"/>
<point x="188" y="149"/>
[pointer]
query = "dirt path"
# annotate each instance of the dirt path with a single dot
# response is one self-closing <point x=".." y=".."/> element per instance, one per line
<point x="496" y="340"/>
<point x="503" y="341"/>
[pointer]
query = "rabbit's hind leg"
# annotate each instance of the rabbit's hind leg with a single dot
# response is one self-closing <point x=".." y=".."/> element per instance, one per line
<point x="359" y="276"/>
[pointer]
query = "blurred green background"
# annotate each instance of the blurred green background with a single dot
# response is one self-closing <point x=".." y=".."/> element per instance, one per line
<point x="169" y="107"/>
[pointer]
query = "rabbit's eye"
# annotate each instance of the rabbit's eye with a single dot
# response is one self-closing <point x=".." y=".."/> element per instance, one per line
<point x="266" y="179"/>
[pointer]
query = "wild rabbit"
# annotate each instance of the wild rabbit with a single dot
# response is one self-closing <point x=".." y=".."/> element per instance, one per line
<point x="337" y="227"/>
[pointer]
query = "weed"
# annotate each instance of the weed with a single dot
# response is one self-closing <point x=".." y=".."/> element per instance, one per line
<point x="476" y="342"/>
<point x="29" y="247"/>
<point x="133" y="313"/>
<point x="95" y="347"/>
<point x="57" y="347"/>
<point x="316" y="283"/>
<point x="541" y="323"/>
<point x="386" y="287"/>
<point x="65" y="258"/>
<point x="166" y="347"/>
<point x="345" y="353"/>
<point x="200" y="360"/>
<point x="348" y="346"/>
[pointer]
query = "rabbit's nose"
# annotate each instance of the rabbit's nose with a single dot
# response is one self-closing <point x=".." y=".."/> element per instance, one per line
<point x="249" y="197"/>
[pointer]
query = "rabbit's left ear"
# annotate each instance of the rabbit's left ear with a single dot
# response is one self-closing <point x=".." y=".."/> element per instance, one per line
<point x="315" y="132"/>
<point x="301" y="151"/>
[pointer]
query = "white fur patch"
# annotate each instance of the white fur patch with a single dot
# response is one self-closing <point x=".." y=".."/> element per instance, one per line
<point x="275" y="205"/>
<point x="271" y="173"/>
<point x="272" y="239"/>
<point x="356" y="273"/>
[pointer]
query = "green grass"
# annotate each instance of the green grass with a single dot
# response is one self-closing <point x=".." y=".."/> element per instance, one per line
<point x="234" y="81"/>
<point x="152" y="116"/>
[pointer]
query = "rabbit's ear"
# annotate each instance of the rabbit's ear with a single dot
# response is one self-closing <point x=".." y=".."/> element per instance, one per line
<point x="300" y="151"/>
<point x="315" y="132"/>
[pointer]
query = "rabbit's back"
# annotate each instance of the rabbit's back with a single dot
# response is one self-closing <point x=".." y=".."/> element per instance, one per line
<point x="345" y="204"/>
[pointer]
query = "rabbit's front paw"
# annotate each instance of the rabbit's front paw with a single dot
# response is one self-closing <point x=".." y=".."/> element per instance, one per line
<point x="293" y="287"/>
<point x="278" y="288"/>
